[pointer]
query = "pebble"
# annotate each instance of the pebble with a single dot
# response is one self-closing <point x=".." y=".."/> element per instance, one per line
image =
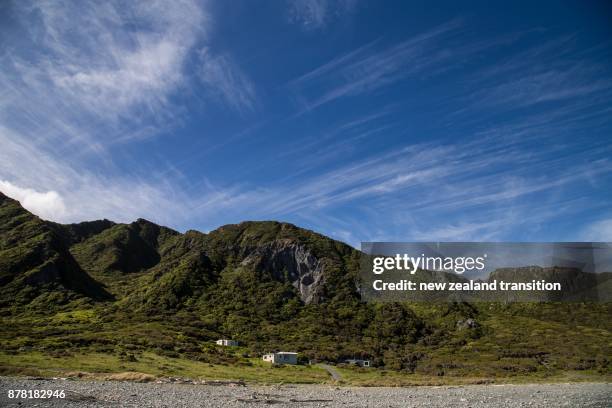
<point x="183" y="394"/>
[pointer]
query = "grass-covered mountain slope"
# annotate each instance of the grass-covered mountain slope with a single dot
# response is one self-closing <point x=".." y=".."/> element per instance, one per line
<point x="102" y="296"/>
<point x="36" y="265"/>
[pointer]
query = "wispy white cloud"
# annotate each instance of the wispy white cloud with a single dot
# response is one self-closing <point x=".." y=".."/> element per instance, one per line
<point x="368" y="68"/>
<point x="316" y="14"/>
<point x="309" y="13"/>
<point x="87" y="76"/>
<point x="225" y="79"/>
<point x="461" y="231"/>
<point x="479" y="190"/>
<point x="489" y="224"/>
<point x="104" y="74"/>
<point x="450" y="180"/>
<point x="457" y="191"/>
<point x="108" y="57"/>
<point x="92" y="74"/>
<point x="540" y="87"/>
<point x="554" y="71"/>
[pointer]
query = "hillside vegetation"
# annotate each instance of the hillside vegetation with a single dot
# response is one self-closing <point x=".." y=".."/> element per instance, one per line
<point x="102" y="296"/>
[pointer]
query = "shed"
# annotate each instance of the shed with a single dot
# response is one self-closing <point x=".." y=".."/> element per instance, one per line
<point x="226" y="342"/>
<point x="358" y="362"/>
<point x="282" y="357"/>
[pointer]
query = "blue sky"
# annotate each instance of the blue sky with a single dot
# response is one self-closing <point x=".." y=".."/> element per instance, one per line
<point x="365" y="121"/>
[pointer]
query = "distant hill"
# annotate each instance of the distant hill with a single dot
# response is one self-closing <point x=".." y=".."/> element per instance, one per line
<point x="576" y="285"/>
<point x="101" y="286"/>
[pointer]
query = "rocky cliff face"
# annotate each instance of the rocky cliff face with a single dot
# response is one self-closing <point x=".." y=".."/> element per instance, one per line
<point x="287" y="260"/>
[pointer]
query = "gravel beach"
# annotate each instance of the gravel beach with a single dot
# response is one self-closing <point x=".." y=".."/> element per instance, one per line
<point x="130" y="394"/>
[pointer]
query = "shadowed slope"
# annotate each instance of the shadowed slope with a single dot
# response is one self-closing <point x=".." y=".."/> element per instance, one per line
<point x="34" y="260"/>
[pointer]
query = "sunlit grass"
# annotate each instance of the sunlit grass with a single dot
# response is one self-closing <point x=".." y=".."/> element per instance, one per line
<point x="150" y="363"/>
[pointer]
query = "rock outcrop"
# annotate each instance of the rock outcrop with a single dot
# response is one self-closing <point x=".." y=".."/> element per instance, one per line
<point x="287" y="260"/>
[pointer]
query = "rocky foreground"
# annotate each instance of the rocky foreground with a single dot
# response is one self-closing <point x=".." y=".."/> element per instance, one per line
<point x="130" y="394"/>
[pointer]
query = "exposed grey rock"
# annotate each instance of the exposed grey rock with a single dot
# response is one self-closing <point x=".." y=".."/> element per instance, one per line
<point x="287" y="260"/>
<point x="467" y="324"/>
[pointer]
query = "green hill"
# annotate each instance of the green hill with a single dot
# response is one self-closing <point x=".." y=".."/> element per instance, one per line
<point x="104" y="296"/>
